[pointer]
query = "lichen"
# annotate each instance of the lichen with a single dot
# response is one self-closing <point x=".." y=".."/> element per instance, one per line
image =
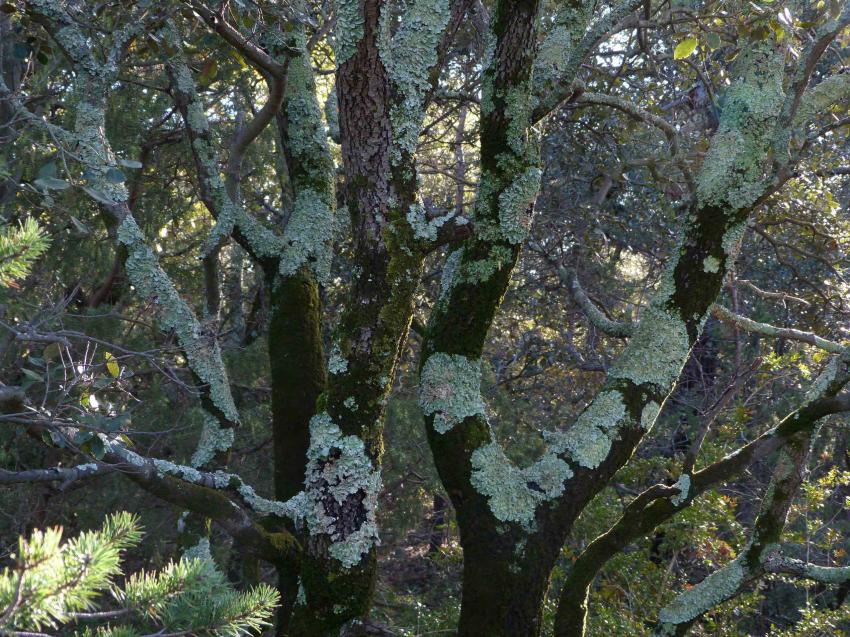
<point x="201" y="551"/>
<point x="711" y="264"/>
<point x="450" y="389"/>
<point x="513" y="493"/>
<point x="337" y="363"/>
<point x="657" y="350"/>
<point x="408" y="57"/>
<point x="515" y="205"/>
<point x="649" y="415"/>
<point x="214" y="439"/>
<point x="424" y="228"/>
<point x="588" y="441"/>
<point x="309" y="236"/>
<point x="348" y="31"/>
<point x="341" y="491"/>
<point x="732" y="174"/>
<point x="714" y="589"/>
<point x="200" y="346"/>
<point x="684" y="486"/>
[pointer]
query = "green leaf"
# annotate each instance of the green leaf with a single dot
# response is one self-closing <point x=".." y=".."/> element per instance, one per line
<point x="98" y="196"/>
<point x="112" y="365"/>
<point x="685" y="48"/>
<point x="32" y="375"/>
<point x="115" y="176"/>
<point x="48" y="170"/>
<point x="51" y="183"/>
<point x="714" y="41"/>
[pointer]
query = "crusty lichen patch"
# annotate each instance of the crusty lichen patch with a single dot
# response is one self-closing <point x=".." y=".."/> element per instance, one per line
<point x="513" y="493"/>
<point x="341" y="491"/>
<point x="588" y="441"/>
<point x="684" y="486"/>
<point x="657" y="350"/>
<point x="450" y="389"/>
<point x="714" y="589"/>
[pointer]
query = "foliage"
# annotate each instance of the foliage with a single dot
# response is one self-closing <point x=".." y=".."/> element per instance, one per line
<point x="55" y="584"/>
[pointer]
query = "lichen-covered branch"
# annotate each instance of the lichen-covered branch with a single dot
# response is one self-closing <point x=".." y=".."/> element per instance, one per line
<point x="597" y="317"/>
<point x="766" y="329"/>
<point x="677" y="617"/>
<point x="660" y="503"/>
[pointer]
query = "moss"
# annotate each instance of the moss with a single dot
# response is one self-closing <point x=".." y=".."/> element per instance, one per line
<point x="450" y="389"/>
<point x="513" y="493"/>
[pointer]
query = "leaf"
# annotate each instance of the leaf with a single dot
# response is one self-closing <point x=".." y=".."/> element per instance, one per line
<point x="115" y="176"/>
<point x="48" y="170"/>
<point x="20" y="51"/>
<point x="32" y="375"/>
<point x="96" y="447"/>
<point x="112" y="365"/>
<point x="98" y="196"/>
<point x="51" y="183"/>
<point x="685" y="48"/>
<point x="130" y="163"/>
<point x="714" y="41"/>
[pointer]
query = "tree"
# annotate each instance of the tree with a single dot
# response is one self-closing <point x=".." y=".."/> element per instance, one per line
<point x="55" y="583"/>
<point x="339" y="239"/>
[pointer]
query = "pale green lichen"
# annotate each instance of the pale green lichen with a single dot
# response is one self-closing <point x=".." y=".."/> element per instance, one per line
<point x="588" y="441"/>
<point x="450" y="389"/>
<point x="513" y="493"/>
<point x="515" y="205"/>
<point x="337" y="363"/>
<point x="341" y="491"/>
<point x="818" y="388"/>
<point x="348" y="30"/>
<point x="714" y="589"/>
<point x="683" y="484"/>
<point x="711" y="265"/>
<point x="424" y="228"/>
<point x="350" y="403"/>
<point x="732" y="174"/>
<point x="657" y="350"/>
<point x="480" y="270"/>
<point x="201" y="551"/>
<point x="309" y="236"/>
<point x="301" y="597"/>
<point x="214" y="439"/>
<point x="649" y="415"/>
<point x="200" y="347"/>
<point x="408" y="57"/>
<point x="449" y="269"/>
